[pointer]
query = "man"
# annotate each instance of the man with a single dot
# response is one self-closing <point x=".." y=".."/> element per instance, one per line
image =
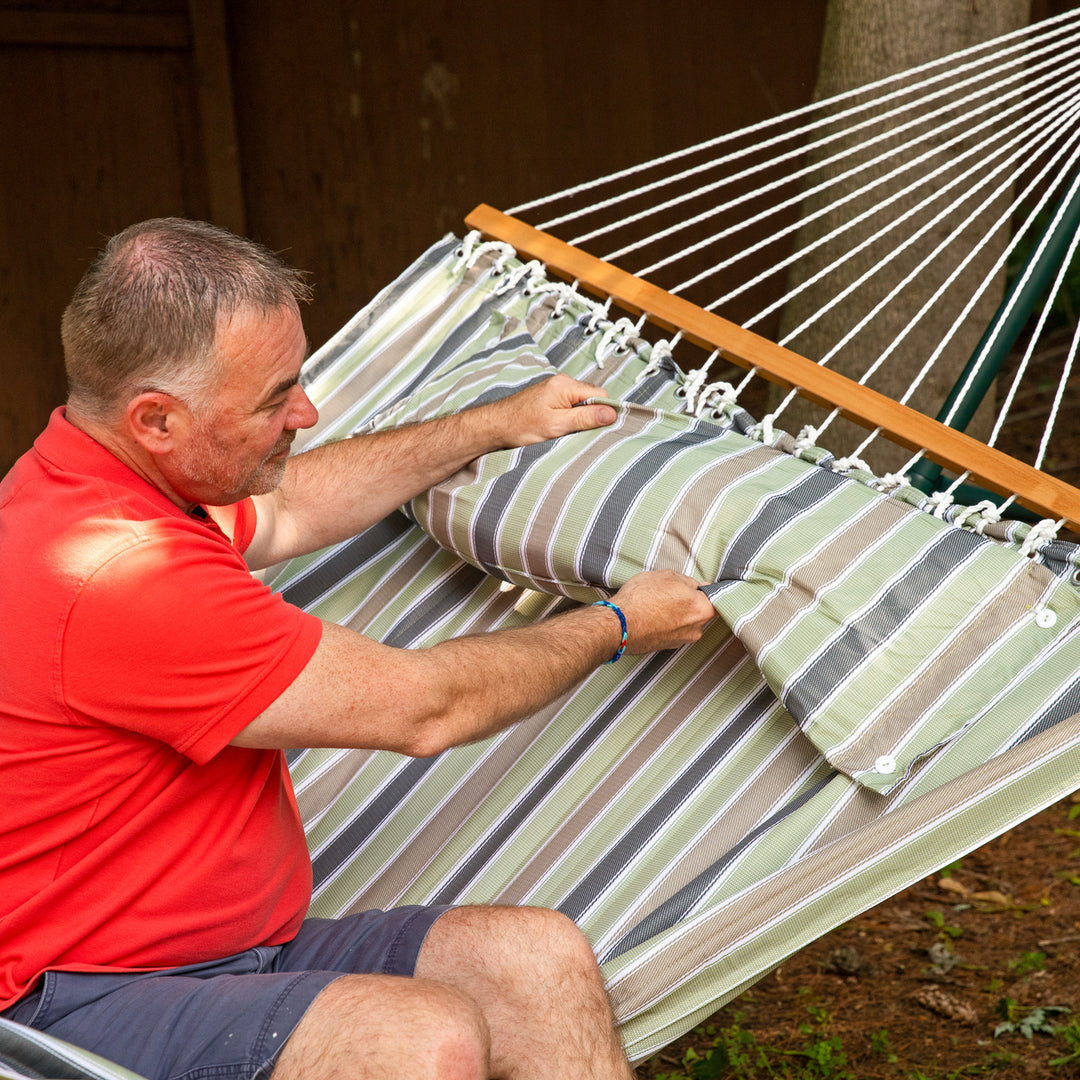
<point x="153" y="873"/>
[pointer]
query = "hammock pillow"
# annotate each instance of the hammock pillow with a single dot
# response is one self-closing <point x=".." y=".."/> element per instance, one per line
<point x="883" y="630"/>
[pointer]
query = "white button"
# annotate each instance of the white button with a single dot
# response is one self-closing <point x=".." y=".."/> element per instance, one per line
<point x="886" y="764"/>
<point x="1045" y="618"/>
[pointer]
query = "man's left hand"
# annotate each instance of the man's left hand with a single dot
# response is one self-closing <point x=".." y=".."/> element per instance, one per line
<point x="547" y="410"/>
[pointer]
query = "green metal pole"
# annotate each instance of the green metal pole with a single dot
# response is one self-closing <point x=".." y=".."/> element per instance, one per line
<point x="1002" y="332"/>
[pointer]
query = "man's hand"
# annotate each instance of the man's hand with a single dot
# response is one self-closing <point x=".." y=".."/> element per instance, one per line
<point x="546" y="410"/>
<point x="663" y="610"/>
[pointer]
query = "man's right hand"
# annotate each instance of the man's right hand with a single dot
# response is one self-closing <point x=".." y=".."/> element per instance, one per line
<point x="663" y="610"/>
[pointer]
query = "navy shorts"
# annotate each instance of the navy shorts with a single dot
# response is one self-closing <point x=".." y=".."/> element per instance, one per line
<point x="226" y="1019"/>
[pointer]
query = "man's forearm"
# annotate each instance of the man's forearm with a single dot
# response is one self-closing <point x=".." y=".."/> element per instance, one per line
<point x="337" y="490"/>
<point x="356" y="692"/>
<point x="493" y="680"/>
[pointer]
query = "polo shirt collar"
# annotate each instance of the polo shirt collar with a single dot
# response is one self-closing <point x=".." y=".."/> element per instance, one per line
<point x="70" y="449"/>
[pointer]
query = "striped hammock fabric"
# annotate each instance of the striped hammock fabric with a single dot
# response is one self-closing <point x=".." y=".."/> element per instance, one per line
<point x="884" y="690"/>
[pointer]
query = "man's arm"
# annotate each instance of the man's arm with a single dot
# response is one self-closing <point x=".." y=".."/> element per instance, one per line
<point x="335" y="491"/>
<point x="355" y="692"/>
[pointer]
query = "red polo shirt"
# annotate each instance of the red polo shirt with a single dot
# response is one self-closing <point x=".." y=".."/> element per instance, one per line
<point x="134" y="645"/>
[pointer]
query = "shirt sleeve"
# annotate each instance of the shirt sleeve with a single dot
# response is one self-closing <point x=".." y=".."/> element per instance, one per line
<point x="172" y="638"/>
<point x="246" y="520"/>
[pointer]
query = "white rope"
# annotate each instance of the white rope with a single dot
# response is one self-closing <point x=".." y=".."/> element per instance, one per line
<point x="1027" y="150"/>
<point x="1024" y="149"/>
<point x="993" y="107"/>
<point x="1046" y="30"/>
<point x="614" y="339"/>
<point x="1018" y="96"/>
<point x="1041" y="533"/>
<point x="884" y="302"/>
<point x="528" y="269"/>
<point x="1059" y="395"/>
<point x="472" y="250"/>
<point x="716" y="398"/>
<point x="961" y="479"/>
<point x="1029" y="349"/>
<point x="1029" y="269"/>
<point x="850" y="464"/>
<point x="1001" y="221"/>
<point x="937" y="502"/>
<point x="807" y="438"/>
<point x="1052" y="63"/>
<point x="661" y="351"/>
<point x="1023" y="130"/>
<point x="988" y="280"/>
<point x="983" y="513"/>
<point x="866" y="443"/>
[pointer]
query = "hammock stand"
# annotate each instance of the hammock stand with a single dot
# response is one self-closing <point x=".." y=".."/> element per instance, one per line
<point x="701" y="814"/>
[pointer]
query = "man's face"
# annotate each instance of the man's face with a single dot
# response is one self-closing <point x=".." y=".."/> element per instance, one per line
<point x="238" y="445"/>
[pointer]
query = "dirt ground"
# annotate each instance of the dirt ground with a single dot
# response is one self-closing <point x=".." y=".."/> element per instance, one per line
<point x="917" y="986"/>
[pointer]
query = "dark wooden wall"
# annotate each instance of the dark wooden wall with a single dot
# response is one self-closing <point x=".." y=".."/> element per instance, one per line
<point x="352" y="134"/>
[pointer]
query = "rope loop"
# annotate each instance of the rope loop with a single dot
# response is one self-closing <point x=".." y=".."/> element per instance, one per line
<point x="566" y="295"/>
<point x="661" y="351"/>
<point x="715" y="397"/>
<point x="600" y="313"/>
<point x="891" y="482"/>
<point x="1041" y="533"/>
<point x="539" y="283"/>
<point x="986" y="512"/>
<point x="938" y="502"/>
<point x="650" y="369"/>
<point x="614" y="340"/>
<point x="465" y="248"/>
<point x="691" y="388"/>
<point x="525" y="269"/>
<point x="764" y="431"/>
<point x="616" y="336"/>
<point x="848" y="464"/>
<point x="471" y="251"/>
<point x="807" y="438"/>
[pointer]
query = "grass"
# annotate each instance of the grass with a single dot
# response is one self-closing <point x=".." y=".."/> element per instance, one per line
<point x="733" y="1053"/>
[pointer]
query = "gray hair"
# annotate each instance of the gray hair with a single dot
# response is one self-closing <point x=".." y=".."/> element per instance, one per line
<point x="146" y="313"/>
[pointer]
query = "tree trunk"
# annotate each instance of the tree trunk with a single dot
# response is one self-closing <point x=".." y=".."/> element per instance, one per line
<point x="866" y="40"/>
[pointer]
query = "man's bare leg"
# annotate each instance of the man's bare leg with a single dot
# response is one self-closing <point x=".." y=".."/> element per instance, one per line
<point x="533" y="976"/>
<point x="385" y="1027"/>
<point x="500" y="992"/>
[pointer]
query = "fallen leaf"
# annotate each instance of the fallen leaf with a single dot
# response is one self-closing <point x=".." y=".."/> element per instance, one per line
<point x="992" y="896"/>
<point x="949" y="884"/>
<point x="935" y="999"/>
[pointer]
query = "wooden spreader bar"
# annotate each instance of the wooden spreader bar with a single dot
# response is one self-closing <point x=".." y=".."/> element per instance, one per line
<point x="943" y="445"/>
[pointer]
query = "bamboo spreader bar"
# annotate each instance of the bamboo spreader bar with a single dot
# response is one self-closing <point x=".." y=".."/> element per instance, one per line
<point x="943" y="445"/>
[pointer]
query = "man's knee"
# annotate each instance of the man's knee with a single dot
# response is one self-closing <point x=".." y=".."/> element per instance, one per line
<point x="373" y="1025"/>
<point x="525" y="950"/>
<point x="560" y="941"/>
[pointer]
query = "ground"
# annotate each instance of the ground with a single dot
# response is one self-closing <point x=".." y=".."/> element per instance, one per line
<point x="961" y="975"/>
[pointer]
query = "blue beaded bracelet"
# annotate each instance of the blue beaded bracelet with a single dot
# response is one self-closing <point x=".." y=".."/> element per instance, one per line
<point x="622" y="623"/>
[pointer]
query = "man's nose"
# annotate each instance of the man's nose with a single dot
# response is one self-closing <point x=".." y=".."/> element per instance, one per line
<point x="302" y="411"/>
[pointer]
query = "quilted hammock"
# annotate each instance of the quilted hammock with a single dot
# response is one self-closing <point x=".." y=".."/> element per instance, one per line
<point x="883" y="691"/>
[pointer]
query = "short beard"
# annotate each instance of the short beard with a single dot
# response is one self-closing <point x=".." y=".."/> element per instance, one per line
<point x="207" y="466"/>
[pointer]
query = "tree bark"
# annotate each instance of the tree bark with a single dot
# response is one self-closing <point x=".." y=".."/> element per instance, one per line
<point x="866" y="40"/>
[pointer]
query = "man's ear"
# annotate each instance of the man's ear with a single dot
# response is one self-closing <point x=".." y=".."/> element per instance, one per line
<point x="155" y="421"/>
